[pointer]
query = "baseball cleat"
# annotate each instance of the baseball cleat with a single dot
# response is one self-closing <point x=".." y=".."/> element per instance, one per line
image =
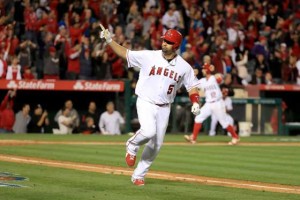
<point x="188" y="138"/>
<point x="234" y="141"/>
<point x="130" y="159"/>
<point x="138" y="182"/>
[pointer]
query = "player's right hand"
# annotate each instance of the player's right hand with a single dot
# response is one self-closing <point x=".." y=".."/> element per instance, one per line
<point x="105" y="34"/>
<point x="195" y="109"/>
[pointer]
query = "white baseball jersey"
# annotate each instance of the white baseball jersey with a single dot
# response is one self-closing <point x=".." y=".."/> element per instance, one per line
<point x="159" y="79"/>
<point x="158" y="82"/>
<point x="211" y="88"/>
<point x="214" y="104"/>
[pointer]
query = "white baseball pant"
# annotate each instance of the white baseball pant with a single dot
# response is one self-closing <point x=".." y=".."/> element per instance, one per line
<point x="214" y="122"/>
<point x="216" y="108"/>
<point x="154" y="122"/>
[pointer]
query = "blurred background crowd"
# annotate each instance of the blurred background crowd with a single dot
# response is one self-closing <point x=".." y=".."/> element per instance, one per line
<point x="251" y="41"/>
<point x="248" y="41"/>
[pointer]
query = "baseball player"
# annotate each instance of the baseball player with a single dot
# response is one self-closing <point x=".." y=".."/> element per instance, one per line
<point x="228" y="107"/>
<point x="162" y="73"/>
<point x="214" y="104"/>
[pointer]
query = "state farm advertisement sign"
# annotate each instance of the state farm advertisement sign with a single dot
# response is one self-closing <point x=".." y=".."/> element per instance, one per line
<point x="102" y="86"/>
<point x="285" y="87"/>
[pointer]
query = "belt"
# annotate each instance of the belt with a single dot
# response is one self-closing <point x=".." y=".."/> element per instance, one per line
<point x="163" y="105"/>
<point x="214" y="101"/>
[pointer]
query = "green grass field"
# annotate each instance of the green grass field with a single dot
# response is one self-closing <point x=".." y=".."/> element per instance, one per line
<point x="278" y="164"/>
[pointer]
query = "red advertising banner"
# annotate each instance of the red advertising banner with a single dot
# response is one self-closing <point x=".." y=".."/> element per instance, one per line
<point x="79" y="85"/>
<point x="285" y="87"/>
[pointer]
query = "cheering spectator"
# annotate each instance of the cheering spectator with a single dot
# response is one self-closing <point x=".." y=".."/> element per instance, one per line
<point x="91" y="113"/>
<point x="72" y="113"/>
<point x="85" y="60"/>
<point x="27" y="49"/>
<point x="172" y="19"/>
<point x="7" y="114"/>
<point x="39" y="120"/>
<point x="14" y="70"/>
<point x="28" y="75"/>
<point x="241" y="66"/>
<point x="22" y="120"/>
<point x="89" y="126"/>
<point x="268" y="78"/>
<point x="258" y="77"/>
<point x="73" y="61"/>
<point x="65" y="121"/>
<point x="260" y="47"/>
<point x="290" y="71"/>
<point x="3" y="62"/>
<point x="51" y="64"/>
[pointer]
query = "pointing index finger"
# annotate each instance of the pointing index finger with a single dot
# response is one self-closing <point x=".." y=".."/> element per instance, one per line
<point x="102" y="27"/>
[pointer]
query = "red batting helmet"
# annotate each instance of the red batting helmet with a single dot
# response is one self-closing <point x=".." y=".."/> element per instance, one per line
<point x="174" y="37"/>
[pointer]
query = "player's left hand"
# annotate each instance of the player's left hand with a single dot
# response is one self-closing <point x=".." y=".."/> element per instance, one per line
<point x="219" y="78"/>
<point x="105" y="34"/>
<point x="195" y="109"/>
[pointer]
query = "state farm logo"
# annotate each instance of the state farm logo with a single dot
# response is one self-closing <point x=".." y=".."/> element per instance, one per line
<point x="31" y="85"/>
<point x="12" y="84"/>
<point x="78" y="86"/>
<point x="97" y="86"/>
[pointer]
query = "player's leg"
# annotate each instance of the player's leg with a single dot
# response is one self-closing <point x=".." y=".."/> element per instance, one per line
<point x="213" y="125"/>
<point x="220" y="112"/>
<point x="231" y="122"/>
<point x="147" y="119"/>
<point x="204" y="113"/>
<point x="152" y="147"/>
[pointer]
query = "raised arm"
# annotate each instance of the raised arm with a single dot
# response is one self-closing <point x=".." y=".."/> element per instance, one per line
<point x="118" y="49"/>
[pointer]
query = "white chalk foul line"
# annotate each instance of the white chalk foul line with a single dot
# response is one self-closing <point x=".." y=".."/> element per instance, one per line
<point x="161" y="175"/>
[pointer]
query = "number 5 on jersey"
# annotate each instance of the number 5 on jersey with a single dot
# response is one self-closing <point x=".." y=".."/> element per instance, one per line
<point x="171" y="88"/>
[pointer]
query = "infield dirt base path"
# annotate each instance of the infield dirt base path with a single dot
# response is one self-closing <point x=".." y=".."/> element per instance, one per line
<point x="151" y="174"/>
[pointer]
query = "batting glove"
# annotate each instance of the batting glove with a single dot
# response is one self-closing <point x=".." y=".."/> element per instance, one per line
<point x="195" y="109"/>
<point x="105" y="34"/>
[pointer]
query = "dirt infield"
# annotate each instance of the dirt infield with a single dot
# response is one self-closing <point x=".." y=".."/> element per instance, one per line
<point x="151" y="174"/>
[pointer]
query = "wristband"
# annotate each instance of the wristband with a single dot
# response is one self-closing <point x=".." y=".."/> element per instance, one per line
<point x="194" y="98"/>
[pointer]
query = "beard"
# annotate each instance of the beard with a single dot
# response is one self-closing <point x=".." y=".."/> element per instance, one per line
<point x="167" y="51"/>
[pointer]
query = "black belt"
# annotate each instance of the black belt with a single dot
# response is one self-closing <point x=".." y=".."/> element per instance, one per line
<point x="162" y="105"/>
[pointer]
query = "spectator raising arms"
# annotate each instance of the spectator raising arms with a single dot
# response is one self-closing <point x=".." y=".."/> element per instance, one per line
<point x="7" y="114"/>
<point x="65" y="122"/>
<point x="72" y="113"/>
<point x="39" y="120"/>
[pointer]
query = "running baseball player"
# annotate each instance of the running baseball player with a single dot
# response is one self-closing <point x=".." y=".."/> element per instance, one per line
<point x="162" y="73"/>
<point x="228" y="107"/>
<point x="214" y="104"/>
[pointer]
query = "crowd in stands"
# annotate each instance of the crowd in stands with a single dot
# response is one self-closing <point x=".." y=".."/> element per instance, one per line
<point x="67" y="120"/>
<point x="249" y="42"/>
<point x="254" y="42"/>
